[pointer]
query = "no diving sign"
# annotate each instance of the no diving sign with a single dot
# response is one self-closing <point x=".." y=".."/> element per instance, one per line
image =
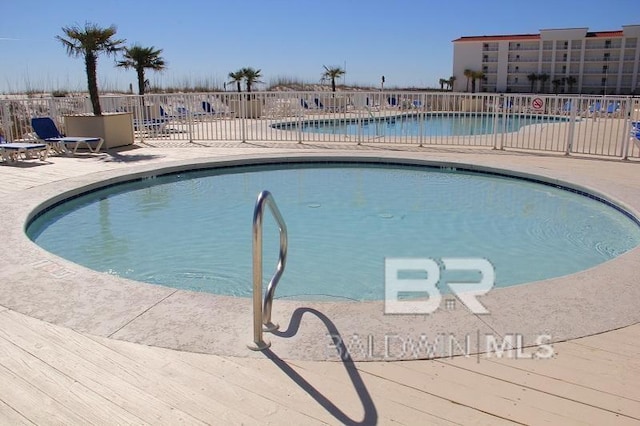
<point x="537" y="104"/>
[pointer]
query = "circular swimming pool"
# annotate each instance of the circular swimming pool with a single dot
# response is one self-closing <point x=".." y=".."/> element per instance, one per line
<point x="432" y="124"/>
<point x="192" y="230"/>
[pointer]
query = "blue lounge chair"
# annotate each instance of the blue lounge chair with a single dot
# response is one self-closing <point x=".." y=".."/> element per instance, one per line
<point x="47" y="131"/>
<point x="595" y="107"/>
<point x="613" y="108"/>
<point x="209" y="110"/>
<point x="566" y="108"/>
<point x="11" y="152"/>
<point x="635" y="132"/>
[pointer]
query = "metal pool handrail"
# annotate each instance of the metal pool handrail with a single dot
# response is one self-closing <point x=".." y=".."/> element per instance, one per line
<point x="262" y="309"/>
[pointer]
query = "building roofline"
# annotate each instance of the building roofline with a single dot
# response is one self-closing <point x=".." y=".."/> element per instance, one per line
<point x="613" y="33"/>
<point x="619" y="33"/>
<point x="563" y="29"/>
<point x="500" y="37"/>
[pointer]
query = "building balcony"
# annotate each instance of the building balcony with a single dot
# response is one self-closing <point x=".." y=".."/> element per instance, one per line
<point x="529" y="48"/>
<point x="522" y="70"/>
<point x="599" y="72"/>
<point x="601" y="59"/>
<point x="603" y="46"/>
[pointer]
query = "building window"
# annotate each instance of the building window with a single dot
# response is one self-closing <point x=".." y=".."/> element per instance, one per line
<point x="566" y="44"/>
<point x="564" y="68"/>
<point x="604" y="80"/>
<point x="607" y="56"/>
<point x="515" y="79"/>
<point x="485" y="46"/>
<point x="517" y="69"/>
<point x="564" y="56"/>
<point x="517" y="45"/>
<point x="517" y="57"/>
<point x="604" y="69"/>
<point x="607" y="44"/>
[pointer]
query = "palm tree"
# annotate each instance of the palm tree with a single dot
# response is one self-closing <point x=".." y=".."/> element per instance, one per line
<point x="139" y="58"/>
<point x="442" y="83"/>
<point x="331" y="73"/>
<point x="452" y="80"/>
<point x="533" y="77"/>
<point x="475" y="75"/>
<point x="237" y="77"/>
<point x="556" y="84"/>
<point x="469" y="74"/>
<point x="543" y="81"/>
<point x="89" y="42"/>
<point x="571" y="80"/>
<point x="251" y="76"/>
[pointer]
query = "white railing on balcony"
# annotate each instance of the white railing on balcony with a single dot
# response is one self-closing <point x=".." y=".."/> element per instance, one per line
<point x="568" y="124"/>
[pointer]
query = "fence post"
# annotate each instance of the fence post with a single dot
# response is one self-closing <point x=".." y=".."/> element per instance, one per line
<point x="6" y="121"/>
<point x="190" y="119"/>
<point x="572" y="126"/>
<point x="243" y="118"/>
<point x="627" y="128"/>
<point x="496" y="100"/>
<point x="507" y="100"/>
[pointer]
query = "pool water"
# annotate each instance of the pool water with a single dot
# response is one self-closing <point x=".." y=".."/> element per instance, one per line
<point x="421" y="125"/>
<point x="193" y="230"/>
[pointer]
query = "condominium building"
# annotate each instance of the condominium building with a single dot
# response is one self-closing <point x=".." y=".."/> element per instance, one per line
<point x="571" y="60"/>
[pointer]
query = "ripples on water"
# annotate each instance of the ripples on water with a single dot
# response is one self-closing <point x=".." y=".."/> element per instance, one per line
<point x="194" y="231"/>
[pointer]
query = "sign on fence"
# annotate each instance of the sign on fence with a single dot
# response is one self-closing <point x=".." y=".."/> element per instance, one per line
<point x="537" y="104"/>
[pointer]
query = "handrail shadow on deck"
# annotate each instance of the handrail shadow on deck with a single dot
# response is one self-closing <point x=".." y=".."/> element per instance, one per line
<point x="370" y="413"/>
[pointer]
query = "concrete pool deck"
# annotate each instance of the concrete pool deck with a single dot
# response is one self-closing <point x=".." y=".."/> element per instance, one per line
<point x="91" y="307"/>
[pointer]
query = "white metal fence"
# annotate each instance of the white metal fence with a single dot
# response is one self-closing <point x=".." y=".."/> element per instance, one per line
<point x="591" y="125"/>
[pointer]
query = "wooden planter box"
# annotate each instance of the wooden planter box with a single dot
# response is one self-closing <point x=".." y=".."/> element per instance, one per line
<point x="472" y="105"/>
<point x="115" y="128"/>
<point x="252" y="108"/>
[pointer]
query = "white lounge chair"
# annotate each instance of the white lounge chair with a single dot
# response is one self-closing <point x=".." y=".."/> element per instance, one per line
<point x="151" y="126"/>
<point x="47" y="131"/>
<point x="14" y="151"/>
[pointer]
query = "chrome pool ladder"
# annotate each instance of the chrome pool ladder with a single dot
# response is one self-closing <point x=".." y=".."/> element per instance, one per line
<point x="262" y="308"/>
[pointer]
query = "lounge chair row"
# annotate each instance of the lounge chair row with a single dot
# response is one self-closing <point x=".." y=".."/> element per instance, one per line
<point x="155" y="126"/>
<point x="341" y="104"/>
<point x="595" y="108"/>
<point x="635" y="132"/>
<point x="49" y="139"/>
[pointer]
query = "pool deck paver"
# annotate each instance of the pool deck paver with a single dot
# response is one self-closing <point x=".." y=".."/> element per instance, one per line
<point x="51" y="374"/>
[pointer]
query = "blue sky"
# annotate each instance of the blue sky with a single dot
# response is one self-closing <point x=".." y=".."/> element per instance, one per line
<point x="407" y="41"/>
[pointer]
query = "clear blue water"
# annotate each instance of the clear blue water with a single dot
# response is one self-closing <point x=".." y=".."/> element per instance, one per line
<point x="193" y="230"/>
<point x="425" y="125"/>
